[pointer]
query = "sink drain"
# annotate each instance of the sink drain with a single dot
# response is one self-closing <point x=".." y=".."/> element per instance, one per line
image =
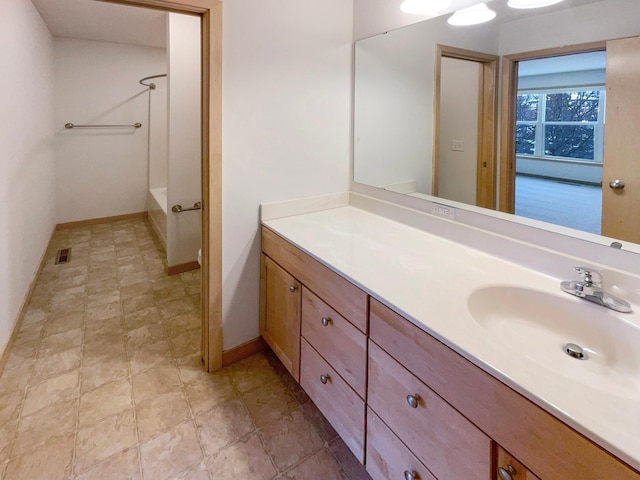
<point x="575" y="351"/>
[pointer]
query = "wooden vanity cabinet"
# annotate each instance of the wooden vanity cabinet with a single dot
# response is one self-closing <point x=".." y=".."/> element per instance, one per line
<point x="280" y="314"/>
<point x="509" y="468"/>
<point x="360" y="362"/>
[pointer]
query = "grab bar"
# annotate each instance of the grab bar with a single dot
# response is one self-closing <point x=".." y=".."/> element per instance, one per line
<point x="72" y="125"/>
<point x="179" y="209"/>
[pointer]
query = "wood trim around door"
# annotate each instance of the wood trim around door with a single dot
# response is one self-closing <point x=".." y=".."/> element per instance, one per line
<point x="210" y="12"/>
<point x="487" y="121"/>
<point x="509" y="88"/>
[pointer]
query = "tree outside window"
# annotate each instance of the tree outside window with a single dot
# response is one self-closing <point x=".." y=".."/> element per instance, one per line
<point x="560" y="124"/>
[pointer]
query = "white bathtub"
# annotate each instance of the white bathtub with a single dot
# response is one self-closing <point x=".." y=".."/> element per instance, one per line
<point x="157" y="208"/>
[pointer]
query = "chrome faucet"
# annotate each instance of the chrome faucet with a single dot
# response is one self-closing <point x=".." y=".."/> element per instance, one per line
<point x="590" y="288"/>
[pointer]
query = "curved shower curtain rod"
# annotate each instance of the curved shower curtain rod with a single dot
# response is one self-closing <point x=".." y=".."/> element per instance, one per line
<point x="151" y="85"/>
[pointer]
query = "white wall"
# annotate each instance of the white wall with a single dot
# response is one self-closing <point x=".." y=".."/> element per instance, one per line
<point x="101" y="172"/>
<point x="394" y="93"/>
<point x="184" y="230"/>
<point x="286" y="130"/>
<point x="26" y="154"/>
<point x="457" y="170"/>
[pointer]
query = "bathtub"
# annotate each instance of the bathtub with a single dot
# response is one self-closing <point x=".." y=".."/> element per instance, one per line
<point x="157" y="208"/>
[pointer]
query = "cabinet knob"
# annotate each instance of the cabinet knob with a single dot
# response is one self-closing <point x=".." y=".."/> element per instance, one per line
<point x="326" y="321"/>
<point x="411" y="475"/>
<point x="324" y="378"/>
<point x="506" y="473"/>
<point x="412" y="400"/>
<point x="292" y="288"/>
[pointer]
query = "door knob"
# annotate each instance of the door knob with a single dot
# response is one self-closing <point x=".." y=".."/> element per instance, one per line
<point x="616" y="184"/>
<point x="506" y="473"/>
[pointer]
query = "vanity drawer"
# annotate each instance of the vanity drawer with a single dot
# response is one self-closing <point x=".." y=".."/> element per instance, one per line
<point x="387" y="456"/>
<point x="337" y="340"/>
<point x="542" y="442"/>
<point x="338" y="292"/>
<point x="430" y="426"/>
<point x="335" y="399"/>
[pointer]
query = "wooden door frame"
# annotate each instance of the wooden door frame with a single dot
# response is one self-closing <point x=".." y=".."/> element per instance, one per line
<point x="210" y="13"/>
<point x="509" y="89"/>
<point x="487" y="121"/>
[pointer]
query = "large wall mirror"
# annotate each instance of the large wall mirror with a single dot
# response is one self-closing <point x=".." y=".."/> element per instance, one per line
<point x="534" y="113"/>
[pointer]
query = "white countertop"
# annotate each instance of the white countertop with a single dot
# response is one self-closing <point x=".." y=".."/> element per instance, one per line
<point x="428" y="280"/>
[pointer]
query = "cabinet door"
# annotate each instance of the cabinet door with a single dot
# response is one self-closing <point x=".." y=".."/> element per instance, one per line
<point x="280" y="314"/>
<point x="508" y="468"/>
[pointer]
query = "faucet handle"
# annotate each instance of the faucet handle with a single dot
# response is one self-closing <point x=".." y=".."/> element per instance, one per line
<point x="592" y="277"/>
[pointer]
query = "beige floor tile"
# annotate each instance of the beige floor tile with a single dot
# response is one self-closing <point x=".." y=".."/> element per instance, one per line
<point x="176" y="307"/>
<point x="322" y="425"/>
<point x="59" y="342"/>
<point x="252" y="372"/>
<point x="95" y="332"/>
<point x="39" y="428"/>
<point x="49" y="366"/>
<point x="102" y="312"/>
<point x="122" y="466"/>
<point x="107" y="348"/>
<point x="170" y="453"/>
<point x="135" y="290"/>
<point x="21" y="353"/>
<point x="70" y="293"/>
<point x="63" y="322"/>
<point x="92" y="376"/>
<point x="321" y="462"/>
<point x="269" y="403"/>
<point x="148" y="356"/>
<point x="103" y="298"/>
<point x="10" y="404"/>
<point x="63" y="308"/>
<point x="186" y="344"/>
<point x="34" y="315"/>
<point x="16" y="378"/>
<point x="290" y="439"/>
<point x="140" y="318"/>
<point x="57" y="389"/>
<point x="104" y="401"/>
<point x="104" y="439"/>
<point x="131" y="278"/>
<point x="244" y="459"/>
<point x="29" y="333"/>
<point x="52" y="461"/>
<point x="223" y="425"/>
<point x="350" y="465"/>
<point x="199" y="472"/>
<point x="162" y="379"/>
<point x="158" y="414"/>
<point x="7" y="434"/>
<point x="145" y="335"/>
<point x="192" y="368"/>
<point x="136" y="304"/>
<point x="205" y="393"/>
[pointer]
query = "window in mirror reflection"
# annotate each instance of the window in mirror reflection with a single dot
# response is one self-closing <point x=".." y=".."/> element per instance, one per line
<point x="559" y="148"/>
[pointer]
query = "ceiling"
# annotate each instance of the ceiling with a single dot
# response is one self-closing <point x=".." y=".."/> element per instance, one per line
<point x="104" y="22"/>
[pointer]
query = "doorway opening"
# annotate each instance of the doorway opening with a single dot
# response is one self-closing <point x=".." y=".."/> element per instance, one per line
<point x="559" y="147"/>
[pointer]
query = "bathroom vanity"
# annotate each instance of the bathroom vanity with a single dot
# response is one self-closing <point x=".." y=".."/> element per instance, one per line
<point x="392" y="333"/>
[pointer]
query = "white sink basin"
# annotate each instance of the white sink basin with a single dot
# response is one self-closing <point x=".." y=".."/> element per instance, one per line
<point x="537" y="325"/>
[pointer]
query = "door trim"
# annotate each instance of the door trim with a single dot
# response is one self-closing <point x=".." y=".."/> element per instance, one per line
<point x="487" y="121"/>
<point x="210" y="13"/>
<point x="509" y="88"/>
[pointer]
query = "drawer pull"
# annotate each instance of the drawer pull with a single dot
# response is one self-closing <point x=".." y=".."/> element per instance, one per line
<point x="326" y="321"/>
<point x="411" y="475"/>
<point x="506" y="473"/>
<point x="324" y="378"/>
<point x="412" y="400"/>
<point x="292" y="288"/>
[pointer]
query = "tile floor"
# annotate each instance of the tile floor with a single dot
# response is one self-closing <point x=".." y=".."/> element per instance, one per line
<point x="104" y="380"/>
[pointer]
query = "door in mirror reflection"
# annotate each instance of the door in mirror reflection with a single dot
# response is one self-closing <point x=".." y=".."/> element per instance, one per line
<point x="575" y="143"/>
<point x="465" y="126"/>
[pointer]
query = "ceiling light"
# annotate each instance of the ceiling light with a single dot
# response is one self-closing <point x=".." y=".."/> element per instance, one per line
<point x="424" y="7"/>
<point x="531" y="3"/>
<point x="479" y="13"/>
